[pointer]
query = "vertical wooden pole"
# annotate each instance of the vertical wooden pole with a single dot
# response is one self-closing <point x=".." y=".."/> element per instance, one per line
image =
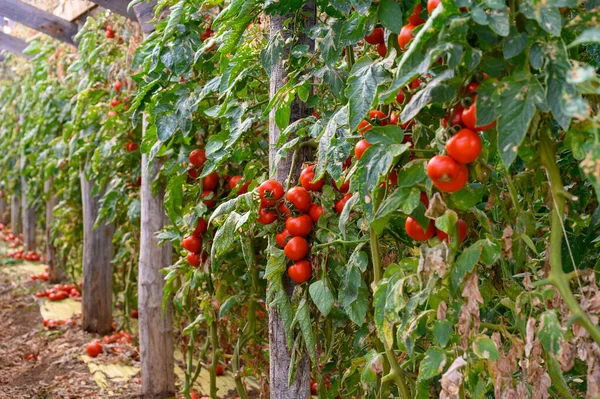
<point x="50" y="248"/>
<point x="155" y="325"/>
<point x="97" y="267"/>
<point x="279" y="351"/>
<point x="2" y="207"/>
<point x="15" y="213"/>
<point x="28" y="215"/>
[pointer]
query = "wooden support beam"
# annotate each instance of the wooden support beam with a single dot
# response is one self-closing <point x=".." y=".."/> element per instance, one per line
<point x="118" y="6"/>
<point x="98" y="253"/>
<point x="28" y="215"/>
<point x="39" y="20"/>
<point x="155" y="325"/>
<point x="13" y="44"/>
<point x="15" y="214"/>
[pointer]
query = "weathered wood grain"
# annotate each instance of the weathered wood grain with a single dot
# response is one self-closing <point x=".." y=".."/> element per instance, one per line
<point x="39" y="20"/>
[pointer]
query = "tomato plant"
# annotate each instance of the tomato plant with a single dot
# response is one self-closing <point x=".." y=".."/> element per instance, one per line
<point x="413" y="193"/>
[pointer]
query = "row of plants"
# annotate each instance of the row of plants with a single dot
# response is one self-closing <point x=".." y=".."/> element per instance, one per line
<point x="442" y="239"/>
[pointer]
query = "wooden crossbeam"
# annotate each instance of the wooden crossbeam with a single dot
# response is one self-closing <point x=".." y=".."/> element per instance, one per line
<point x="118" y="6"/>
<point x="13" y="44"/>
<point x="39" y="20"/>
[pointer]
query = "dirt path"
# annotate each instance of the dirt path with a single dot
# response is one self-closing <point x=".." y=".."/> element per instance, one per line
<point x="54" y="369"/>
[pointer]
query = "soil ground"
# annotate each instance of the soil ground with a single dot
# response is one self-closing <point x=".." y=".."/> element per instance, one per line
<point x="56" y="368"/>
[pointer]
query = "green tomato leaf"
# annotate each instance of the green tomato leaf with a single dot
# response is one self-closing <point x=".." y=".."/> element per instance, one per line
<point x="485" y="348"/>
<point x="365" y="78"/>
<point x="321" y="296"/>
<point x="432" y="365"/>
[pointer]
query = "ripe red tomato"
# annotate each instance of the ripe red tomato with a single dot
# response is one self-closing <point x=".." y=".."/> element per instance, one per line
<point x="315" y="212"/>
<point x="375" y="37"/>
<point x="94" y="348"/>
<point x="114" y="102"/>
<point x="400" y="97"/>
<point x="360" y="148"/>
<point x="284" y="210"/>
<point x="131" y="146"/>
<point x="192" y="243"/>
<point x="299" y="197"/>
<point x="471" y="87"/>
<point x="197" y="157"/>
<point x="111" y="114"/>
<point x="339" y="205"/>
<point x="270" y="191"/>
<point x="194" y="395"/>
<point x="314" y="388"/>
<point x="220" y="370"/>
<point x="415" y="18"/>
<point x="442" y="168"/>
<point x="432" y="5"/>
<point x="343" y="188"/>
<point x="415" y="231"/>
<point x="457" y="183"/>
<point x="201" y="227"/>
<point x="376" y="117"/>
<point x="192" y="173"/>
<point x="266" y="217"/>
<point x="117" y="85"/>
<point x="282" y="238"/>
<point x="462" y="232"/>
<point x="210" y="203"/>
<point x="382" y="50"/>
<point x="300" y="271"/>
<point x="211" y="181"/>
<point x="194" y="258"/>
<point x="405" y="35"/>
<point x="306" y="179"/>
<point x="469" y="118"/>
<point x="464" y="146"/>
<point x="456" y="118"/>
<point x="297" y="248"/>
<point x="109" y="33"/>
<point x="423" y="198"/>
<point x="234" y="181"/>
<point x="134" y="313"/>
<point x="299" y="226"/>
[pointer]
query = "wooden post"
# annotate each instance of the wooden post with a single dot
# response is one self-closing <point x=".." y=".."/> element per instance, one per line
<point x="28" y="215"/>
<point x="279" y="351"/>
<point x="2" y="207"/>
<point x="155" y="326"/>
<point x="97" y="267"/>
<point x="39" y="20"/>
<point x="13" y="44"/>
<point x="50" y="248"/>
<point x="15" y="213"/>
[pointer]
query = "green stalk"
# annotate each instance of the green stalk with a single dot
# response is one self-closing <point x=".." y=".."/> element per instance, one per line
<point x="250" y="328"/>
<point x="215" y="360"/>
<point x="190" y="364"/>
<point x="557" y="276"/>
<point x="395" y="373"/>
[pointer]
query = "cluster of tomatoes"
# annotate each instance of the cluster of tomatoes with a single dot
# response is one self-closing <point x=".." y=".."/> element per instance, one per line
<point x="60" y="292"/>
<point x="109" y="32"/>
<point x="210" y="191"/>
<point x="31" y="256"/>
<point x="40" y="276"/>
<point x="299" y="213"/>
<point x="115" y="343"/>
<point x="51" y="324"/>
<point x="8" y="236"/>
<point x="115" y="102"/>
<point x="17" y="253"/>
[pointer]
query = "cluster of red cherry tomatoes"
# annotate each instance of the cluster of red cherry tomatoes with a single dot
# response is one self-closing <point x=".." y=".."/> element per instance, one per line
<point x="112" y="342"/>
<point x="298" y="212"/>
<point x="51" y="324"/>
<point x="60" y="292"/>
<point x="40" y="276"/>
<point x="115" y="102"/>
<point x="210" y="186"/>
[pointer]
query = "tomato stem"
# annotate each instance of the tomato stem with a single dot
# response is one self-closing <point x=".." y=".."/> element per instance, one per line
<point x="557" y="277"/>
<point x="395" y="373"/>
